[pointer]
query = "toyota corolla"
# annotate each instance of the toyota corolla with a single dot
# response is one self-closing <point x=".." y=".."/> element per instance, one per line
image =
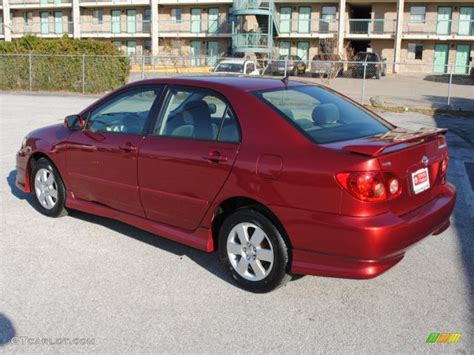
<point x="279" y="177"/>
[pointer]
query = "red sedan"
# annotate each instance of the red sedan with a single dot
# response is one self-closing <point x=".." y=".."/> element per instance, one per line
<point x="280" y="178"/>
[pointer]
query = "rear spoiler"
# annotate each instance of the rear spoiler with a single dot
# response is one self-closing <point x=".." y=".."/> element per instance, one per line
<point x="389" y="141"/>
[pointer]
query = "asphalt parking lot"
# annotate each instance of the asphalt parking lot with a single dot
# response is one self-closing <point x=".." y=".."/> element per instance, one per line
<point x="125" y="290"/>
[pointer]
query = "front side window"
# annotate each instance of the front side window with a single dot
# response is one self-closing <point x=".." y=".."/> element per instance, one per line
<point x="126" y="113"/>
<point x="324" y="116"/>
<point x="197" y="114"/>
<point x="417" y="14"/>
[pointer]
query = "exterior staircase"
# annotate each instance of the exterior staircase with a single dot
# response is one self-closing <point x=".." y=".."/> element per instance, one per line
<point x="259" y="40"/>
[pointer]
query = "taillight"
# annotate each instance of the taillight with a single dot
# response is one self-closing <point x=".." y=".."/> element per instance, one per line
<point x="443" y="168"/>
<point x="370" y="185"/>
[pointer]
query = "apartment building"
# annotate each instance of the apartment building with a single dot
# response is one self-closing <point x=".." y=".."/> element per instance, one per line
<point x="435" y="34"/>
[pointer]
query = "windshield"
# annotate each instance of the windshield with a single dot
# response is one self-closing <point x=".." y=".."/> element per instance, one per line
<point x="324" y="116"/>
<point x="230" y="68"/>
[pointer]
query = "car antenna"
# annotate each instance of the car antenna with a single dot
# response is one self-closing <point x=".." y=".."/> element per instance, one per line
<point x="285" y="80"/>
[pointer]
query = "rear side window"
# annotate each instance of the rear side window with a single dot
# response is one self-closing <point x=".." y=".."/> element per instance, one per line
<point x="323" y="116"/>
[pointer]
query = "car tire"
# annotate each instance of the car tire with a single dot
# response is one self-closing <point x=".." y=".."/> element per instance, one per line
<point x="253" y="251"/>
<point x="48" y="189"/>
<point x="377" y="74"/>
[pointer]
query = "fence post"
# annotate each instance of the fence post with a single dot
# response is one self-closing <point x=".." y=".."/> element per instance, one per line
<point x="450" y="84"/>
<point x="363" y="83"/>
<point x="83" y="73"/>
<point x="143" y="66"/>
<point x="30" y="66"/>
<point x="286" y="65"/>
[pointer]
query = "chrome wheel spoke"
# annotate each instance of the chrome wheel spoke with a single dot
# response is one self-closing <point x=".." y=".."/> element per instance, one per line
<point x="242" y="266"/>
<point x="258" y="269"/>
<point x="265" y="255"/>
<point x="242" y="234"/>
<point x="257" y="237"/>
<point x="53" y="193"/>
<point x="234" y="248"/>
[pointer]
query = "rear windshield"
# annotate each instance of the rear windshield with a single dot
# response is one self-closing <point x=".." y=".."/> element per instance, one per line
<point x="230" y="68"/>
<point x="324" y="116"/>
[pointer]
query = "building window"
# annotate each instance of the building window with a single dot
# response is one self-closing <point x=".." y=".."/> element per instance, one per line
<point x="415" y="51"/>
<point x="417" y="14"/>
<point x="28" y="18"/>
<point x="98" y="16"/>
<point x="176" y="14"/>
<point x="328" y="13"/>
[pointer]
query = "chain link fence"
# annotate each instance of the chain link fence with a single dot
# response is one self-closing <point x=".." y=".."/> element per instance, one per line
<point x="380" y="84"/>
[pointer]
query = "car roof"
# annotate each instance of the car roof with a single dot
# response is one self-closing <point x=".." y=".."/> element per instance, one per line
<point x="244" y="83"/>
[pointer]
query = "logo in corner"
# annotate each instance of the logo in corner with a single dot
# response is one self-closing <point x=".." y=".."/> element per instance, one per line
<point x="425" y="160"/>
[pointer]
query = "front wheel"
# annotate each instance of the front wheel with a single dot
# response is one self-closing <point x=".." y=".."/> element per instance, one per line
<point x="48" y="189"/>
<point x="253" y="251"/>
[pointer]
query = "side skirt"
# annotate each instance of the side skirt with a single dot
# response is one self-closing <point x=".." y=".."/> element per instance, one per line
<point x="200" y="239"/>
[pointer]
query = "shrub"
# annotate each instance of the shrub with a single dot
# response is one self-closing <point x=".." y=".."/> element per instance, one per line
<point x="57" y="64"/>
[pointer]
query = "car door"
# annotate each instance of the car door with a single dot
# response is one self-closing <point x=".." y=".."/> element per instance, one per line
<point x="187" y="157"/>
<point x="102" y="158"/>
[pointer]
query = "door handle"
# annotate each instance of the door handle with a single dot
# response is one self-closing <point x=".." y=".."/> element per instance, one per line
<point x="215" y="157"/>
<point x="127" y="147"/>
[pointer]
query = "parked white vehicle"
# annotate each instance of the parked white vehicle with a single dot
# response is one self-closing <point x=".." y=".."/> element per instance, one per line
<point x="237" y="66"/>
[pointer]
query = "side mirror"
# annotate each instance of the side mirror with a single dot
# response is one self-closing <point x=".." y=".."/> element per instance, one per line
<point x="74" y="122"/>
<point x="212" y="108"/>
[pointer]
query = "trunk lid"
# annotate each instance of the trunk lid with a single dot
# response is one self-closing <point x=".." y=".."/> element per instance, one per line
<point x="401" y="153"/>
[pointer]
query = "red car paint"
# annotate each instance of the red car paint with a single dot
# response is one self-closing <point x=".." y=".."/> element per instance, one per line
<point x="168" y="185"/>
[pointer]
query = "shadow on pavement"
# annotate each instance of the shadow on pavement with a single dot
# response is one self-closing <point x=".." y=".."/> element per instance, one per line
<point x="444" y="78"/>
<point x="459" y="176"/>
<point x="208" y="261"/>
<point x="7" y="330"/>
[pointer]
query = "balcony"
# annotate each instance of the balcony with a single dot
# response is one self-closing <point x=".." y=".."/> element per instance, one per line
<point x="250" y="42"/>
<point x="49" y="29"/>
<point x="217" y="28"/>
<point x="116" y="29"/>
<point x="315" y="28"/>
<point x="27" y="4"/>
<point x="371" y="28"/>
<point x="95" y="3"/>
<point x="436" y="29"/>
<point x="255" y="7"/>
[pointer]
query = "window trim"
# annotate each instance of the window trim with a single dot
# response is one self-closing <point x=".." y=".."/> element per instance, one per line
<point x="414" y="52"/>
<point x="165" y="97"/>
<point x="151" y="113"/>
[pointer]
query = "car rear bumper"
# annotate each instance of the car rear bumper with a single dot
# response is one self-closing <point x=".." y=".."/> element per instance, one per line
<point x="361" y="247"/>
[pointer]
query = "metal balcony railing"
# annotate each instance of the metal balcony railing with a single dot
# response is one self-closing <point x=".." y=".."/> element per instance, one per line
<point x="252" y="5"/>
<point x="251" y="41"/>
<point x="307" y="26"/>
<point x="43" y="28"/>
<point x="131" y="2"/>
<point x="40" y="2"/>
<point x="210" y="27"/>
<point x="116" y="27"/>
<point x="372" y="26"/>
<point x="459" y="27"/>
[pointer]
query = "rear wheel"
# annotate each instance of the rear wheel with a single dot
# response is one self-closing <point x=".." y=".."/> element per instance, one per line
<point x="377" y="74"/>
<point x="48" y="189"/>
<point x="252" y="250"/>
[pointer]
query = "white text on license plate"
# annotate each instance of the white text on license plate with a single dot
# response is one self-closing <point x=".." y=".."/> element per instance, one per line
<point x="420" y="180"/>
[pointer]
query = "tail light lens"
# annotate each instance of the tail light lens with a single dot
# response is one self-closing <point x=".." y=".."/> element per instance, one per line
<point x="370" y="185"/>
<point x="443" y="168"/>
